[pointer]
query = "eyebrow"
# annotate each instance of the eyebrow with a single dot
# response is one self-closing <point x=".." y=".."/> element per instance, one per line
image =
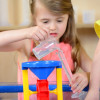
<point x="44" y="19"/>
<point x="60" y="17"/>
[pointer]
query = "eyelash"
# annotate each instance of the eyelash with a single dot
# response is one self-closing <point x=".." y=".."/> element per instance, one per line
<point x="59" y="21"/>
<point x="45" y="22"/>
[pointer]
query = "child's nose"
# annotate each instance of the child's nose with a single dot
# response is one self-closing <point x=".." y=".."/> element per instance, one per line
<point x="52" y="26"/>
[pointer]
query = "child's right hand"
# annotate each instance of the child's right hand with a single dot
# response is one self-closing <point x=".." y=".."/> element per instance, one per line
<point x="37" y="33"/>
<point x="78" y="82"/>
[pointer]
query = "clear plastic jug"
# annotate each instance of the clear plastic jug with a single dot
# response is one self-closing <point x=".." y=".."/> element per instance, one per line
<point x="45" y="47"/>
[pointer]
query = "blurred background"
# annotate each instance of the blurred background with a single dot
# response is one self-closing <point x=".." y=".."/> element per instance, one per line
<point x="15" y="14"/>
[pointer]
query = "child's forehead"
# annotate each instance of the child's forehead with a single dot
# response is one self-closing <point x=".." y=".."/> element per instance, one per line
<point x="48" y="14"/>
<point x="41" y="10"/>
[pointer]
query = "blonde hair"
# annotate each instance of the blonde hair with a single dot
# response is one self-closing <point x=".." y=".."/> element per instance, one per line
<point x="70" y="35"/>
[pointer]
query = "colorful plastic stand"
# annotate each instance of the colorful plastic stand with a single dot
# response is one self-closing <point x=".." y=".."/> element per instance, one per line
<point x="42" y="69"/>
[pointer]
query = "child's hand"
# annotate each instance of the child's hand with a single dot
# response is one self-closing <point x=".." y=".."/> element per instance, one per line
<point x="79" y="82"/>
<point x="37" y="33"/>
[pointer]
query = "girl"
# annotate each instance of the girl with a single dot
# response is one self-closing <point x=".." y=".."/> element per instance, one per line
<point x="54" y="18"/>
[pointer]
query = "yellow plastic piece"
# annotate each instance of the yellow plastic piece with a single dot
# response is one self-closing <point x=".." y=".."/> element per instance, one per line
<point x="97" y="28"/>
<point x="31" y="92"/>
<point x="25" y="84"/>
<point x="54" y="91"/>
<point x="59" y="84"/>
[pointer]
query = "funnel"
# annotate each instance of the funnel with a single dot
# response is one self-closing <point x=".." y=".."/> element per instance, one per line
<point x="42" y="69"/>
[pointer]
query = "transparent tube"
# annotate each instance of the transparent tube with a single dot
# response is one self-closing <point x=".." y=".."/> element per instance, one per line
<point x="65" y="64"/>
<point x="68" y="72"/>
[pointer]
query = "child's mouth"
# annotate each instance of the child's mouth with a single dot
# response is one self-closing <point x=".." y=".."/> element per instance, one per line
<point x="53" y="34"/>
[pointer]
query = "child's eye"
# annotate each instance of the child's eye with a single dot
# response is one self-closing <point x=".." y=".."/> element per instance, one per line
<point x="45" y="22"/>
<point x="59" y="20"/>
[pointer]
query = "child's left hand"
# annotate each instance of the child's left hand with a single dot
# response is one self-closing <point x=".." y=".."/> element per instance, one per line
<point x="78" y="82"/>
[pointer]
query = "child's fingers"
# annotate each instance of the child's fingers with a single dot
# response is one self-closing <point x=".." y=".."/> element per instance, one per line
<point x="80" y="87"/>
<point x="40" y="36"/>
<point x="39" y="33"/>
<point x="76" y="84"/>
<point x="46" y="30"/>
<point x="83" y="86"/>
<point x="75" y="80"/>
<point x="79" y="81"/>
<point x="74" y="77"/>
<point x="36" y="37"/>
<point x="43" y="34"/>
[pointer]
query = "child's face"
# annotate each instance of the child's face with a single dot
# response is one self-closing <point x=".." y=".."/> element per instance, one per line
<point x="56" y="24"/>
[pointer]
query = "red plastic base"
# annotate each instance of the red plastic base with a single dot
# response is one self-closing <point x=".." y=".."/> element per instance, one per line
<point x="43" y="90"/>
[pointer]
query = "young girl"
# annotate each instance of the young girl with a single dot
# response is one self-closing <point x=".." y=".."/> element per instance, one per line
<point x="51" y="18"/>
